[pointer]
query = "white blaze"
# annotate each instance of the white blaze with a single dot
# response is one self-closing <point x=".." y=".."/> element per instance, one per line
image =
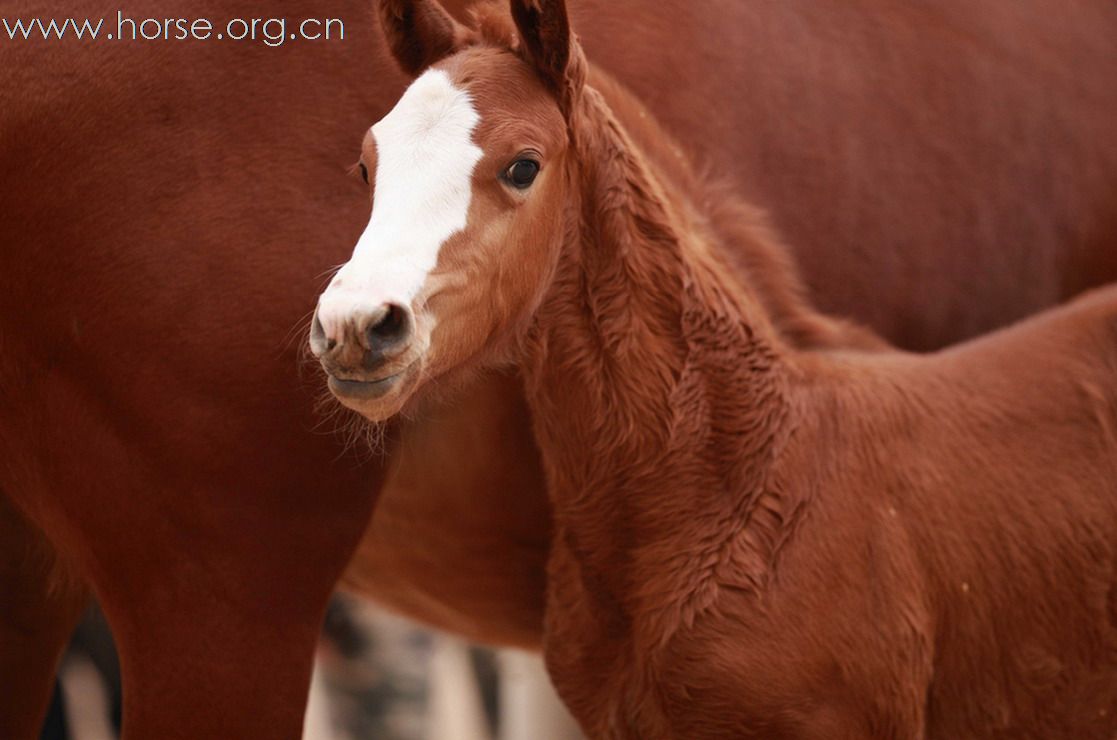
<point x="425" y="161"/>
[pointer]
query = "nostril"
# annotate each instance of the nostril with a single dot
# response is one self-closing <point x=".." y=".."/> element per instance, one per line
<point x="318" y="339"/>
<point x="391" y="327"/>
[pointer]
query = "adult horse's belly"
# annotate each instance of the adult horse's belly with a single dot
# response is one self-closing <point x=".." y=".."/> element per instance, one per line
<point x="939" y="171"/>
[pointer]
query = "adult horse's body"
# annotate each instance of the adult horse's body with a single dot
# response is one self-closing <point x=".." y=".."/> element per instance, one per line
<point x="166" y="206"/>
<point x="762" y="530"/>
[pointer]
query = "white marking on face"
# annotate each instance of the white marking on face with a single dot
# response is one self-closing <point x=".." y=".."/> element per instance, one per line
<point x="424" y="169"/>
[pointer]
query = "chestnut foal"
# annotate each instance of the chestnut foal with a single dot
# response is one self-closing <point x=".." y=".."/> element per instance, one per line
<point x="757" y="532"/>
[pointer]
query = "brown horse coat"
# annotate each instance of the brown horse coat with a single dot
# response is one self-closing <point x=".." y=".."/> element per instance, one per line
<point x="166" y="208"/>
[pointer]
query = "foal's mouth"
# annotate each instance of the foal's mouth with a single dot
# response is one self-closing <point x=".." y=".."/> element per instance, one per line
<point x="363" y="390"/>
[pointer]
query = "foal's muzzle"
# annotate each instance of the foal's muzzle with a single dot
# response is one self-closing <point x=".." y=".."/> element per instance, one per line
<point x="358" y="349"/>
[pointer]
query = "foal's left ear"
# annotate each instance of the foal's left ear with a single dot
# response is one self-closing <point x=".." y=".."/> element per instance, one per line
<point x="419" y="32"/>
<point x="551" y="47"/>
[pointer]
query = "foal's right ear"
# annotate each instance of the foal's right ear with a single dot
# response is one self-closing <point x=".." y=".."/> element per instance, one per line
<point x="551" y="47"/>
<point x="419" y="32"/>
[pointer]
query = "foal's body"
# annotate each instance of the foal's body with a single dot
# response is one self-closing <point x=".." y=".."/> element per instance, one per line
<point x="761" y="541"/>
<point x="827" y="545"/>
<point x="760" y="529"/>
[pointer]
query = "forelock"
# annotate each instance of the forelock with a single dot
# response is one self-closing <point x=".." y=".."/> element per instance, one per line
<point x="492" y="23"/>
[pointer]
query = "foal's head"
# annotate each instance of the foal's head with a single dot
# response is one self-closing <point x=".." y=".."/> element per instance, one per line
<point x="474" y="183"/>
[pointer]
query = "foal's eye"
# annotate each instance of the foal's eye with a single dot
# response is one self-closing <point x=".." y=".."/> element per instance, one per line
<point x="364" y="172"/>
<point x="521" y="173"/>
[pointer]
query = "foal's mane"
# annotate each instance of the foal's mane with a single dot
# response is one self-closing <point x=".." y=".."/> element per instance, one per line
<point x="718" y="228"/>
<point x="682" y="380"/>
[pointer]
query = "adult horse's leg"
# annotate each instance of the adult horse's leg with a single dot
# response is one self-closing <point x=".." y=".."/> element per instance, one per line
<point x="177" y="647"/>
<point x="39" y="606"/>
<point x="213" y="581"/>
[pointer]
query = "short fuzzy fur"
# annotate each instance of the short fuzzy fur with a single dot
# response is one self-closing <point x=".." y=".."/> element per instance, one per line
<point x="767" y="525"/>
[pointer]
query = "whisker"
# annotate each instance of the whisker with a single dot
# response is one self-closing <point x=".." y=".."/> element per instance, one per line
<point x="299" y="331"/>
<point x="326" y="275"/>
<point x="359" y="437"/>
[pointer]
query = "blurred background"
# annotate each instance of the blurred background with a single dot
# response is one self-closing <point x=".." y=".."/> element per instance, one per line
<point x="377" y="676"/>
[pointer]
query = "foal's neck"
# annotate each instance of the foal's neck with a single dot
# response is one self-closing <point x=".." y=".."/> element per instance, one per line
<point x="659" y="393"/>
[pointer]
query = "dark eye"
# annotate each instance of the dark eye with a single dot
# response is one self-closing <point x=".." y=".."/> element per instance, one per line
<point x="364" y="172"/>
<point x="522" y="173"/>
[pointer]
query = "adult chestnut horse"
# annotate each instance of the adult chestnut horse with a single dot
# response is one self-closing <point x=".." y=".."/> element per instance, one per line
<point x="166" y="206"/>
<point x="760" y="532"/>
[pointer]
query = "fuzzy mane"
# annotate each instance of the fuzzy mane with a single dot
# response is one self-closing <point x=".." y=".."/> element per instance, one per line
<point x="651" y="366"/>
<point x="742" y="238"/>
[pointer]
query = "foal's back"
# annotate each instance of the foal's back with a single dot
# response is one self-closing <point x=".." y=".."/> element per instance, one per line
<point x="957" y="559"/>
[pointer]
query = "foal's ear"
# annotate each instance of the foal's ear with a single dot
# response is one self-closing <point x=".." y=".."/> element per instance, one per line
<point x="419" y="32"/>
<point x="551" y="47"/>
